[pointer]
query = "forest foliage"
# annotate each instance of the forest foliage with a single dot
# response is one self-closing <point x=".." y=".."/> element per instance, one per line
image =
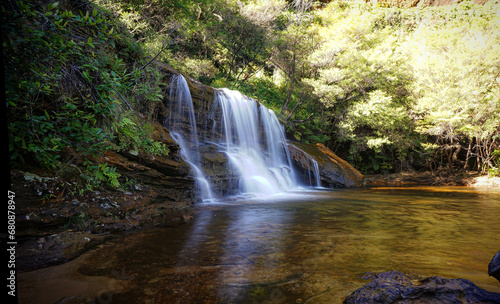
<point x="388" y="89"/>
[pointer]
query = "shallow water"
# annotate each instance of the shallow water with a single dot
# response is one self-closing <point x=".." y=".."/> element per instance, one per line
<point x="309" y="247"/>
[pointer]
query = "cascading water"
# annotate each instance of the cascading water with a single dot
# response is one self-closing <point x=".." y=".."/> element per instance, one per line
<point x="312" y="169"/>
<point x="182" y="125"/>
<point x="256" y="145"/>
<point x="316" y="173"/>
<point x="249" y="134"/>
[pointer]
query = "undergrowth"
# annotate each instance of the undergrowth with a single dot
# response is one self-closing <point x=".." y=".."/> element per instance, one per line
<point x="75" y="82"/>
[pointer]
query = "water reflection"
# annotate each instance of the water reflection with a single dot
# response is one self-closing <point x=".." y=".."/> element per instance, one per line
<point x="198" y="235"/>
<point x="251" y="246"/>
<point x="332" y="238"/>
<point x="311" y="248"/>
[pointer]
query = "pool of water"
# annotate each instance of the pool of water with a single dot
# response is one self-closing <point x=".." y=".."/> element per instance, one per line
<point x="309" y="247"/>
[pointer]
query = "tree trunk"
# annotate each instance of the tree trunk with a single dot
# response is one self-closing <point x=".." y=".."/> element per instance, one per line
<point x="468" y="155"/>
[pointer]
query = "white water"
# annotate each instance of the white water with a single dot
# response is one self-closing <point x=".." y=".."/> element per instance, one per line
<point x="181" y="109"/>
<point x="256" y="145"/>
<point x="247" y="132"/>
<point x="316" y="173"/>
<point x="314" y="179"/>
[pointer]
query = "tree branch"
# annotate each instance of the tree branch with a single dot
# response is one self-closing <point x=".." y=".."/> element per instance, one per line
<point x="165" y="45"/>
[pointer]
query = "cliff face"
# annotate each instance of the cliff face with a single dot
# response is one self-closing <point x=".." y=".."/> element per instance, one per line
<point x="334" y="172"/>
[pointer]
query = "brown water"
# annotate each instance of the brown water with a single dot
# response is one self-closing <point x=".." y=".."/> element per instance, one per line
<point x="312" y="247"/>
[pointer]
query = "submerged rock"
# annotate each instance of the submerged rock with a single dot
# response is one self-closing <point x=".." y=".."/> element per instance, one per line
<point x="55" y="249"/>
<point x="494" y="266"/>
<point x="333" y="171"/>
<point x="395" y="287"/>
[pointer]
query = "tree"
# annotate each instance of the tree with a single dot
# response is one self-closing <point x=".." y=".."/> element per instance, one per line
<point x="291" y="51"/>
<point x="361" y="79"/>
<point x="240" y="35"/>
<point x="456" y="65"/>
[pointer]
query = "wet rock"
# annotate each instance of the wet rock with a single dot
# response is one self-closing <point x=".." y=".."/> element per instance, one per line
<point x="494" y="266"/>
<point x="48" y="205"/>
<point x="55" y="249"/>
<point x="334" y="171"/>
<point x="394" y="287"/>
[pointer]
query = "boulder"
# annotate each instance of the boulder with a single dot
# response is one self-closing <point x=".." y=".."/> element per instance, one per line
<point x="494" y="266"/>
<point x="334" y="171"/>
<point x="395" y="287"/>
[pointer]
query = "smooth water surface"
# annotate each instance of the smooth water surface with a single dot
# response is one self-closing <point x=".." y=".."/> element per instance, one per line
<point x="310" y="247"/>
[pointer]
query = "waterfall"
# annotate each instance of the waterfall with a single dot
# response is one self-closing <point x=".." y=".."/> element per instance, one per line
<point x="256" y="145"/>
<point x="316" y="173"/>
<point x="183" y="129"/>
<point x="248" y="134"/>
<point x="310" y="169"/>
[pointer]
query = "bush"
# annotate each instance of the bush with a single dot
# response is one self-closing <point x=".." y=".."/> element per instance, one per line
<point x="71" y="75"/>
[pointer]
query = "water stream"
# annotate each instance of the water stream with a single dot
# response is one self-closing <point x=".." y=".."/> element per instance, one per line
<point x="248" y="133"/>
<point x="308" y="247"/>
<point x="183" y="129"/>
<point x="261" y="157"/>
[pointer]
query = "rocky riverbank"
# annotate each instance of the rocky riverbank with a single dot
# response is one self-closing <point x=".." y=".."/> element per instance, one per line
<point x="55" y="223"/>
<point x="438" y="178"/>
